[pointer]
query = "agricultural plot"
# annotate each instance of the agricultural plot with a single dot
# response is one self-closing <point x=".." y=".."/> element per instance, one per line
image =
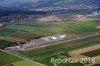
<point x="26" y="63"/>
<point x="30" y="31"/>
<point x="56" y="49"/>
<point x="71" y="64"/>
<point x="6" y="58"/>
<point x="21" y="32"/>
<point x="96" y="65"/>
<point x="92" y="53"/>
<point x="6" y="32"/>
<point x="89" y="26"/>
<point x="86" y="50"/>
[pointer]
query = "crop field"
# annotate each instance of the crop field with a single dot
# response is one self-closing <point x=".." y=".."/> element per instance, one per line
<point x="6" y="32"/>
<point x="89" y="26"/>
<point x="86" y="50"/>
<point x="62" y="47"/>
<point x="92" y="53"/>
<point x="96" y="65"/>
<point x="25" y="63"/>
<point x="22" y="32"/>
<point x="6" y="58"/>
<point x="39" y="29"/>
<point x="45" y="52"/>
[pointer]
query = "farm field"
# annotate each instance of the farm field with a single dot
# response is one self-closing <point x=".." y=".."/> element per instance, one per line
<point x="96" y="65"/>
<point x="57" y="27"/>
<point x="11" y="59"/>
<point x="23" y="32"/>
<point x="45" y="52"/>
<point x="6" y="32"/>
<point x="6" y="58"/>
<point x="39" y="29"/>
<point x="86" y="49"/>
<point x="25" y="63"/>
<point x="92" y="53"/>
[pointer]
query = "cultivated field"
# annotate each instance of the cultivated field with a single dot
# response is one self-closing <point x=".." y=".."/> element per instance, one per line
<point x="6" y="32"/>
<point x="26" y="63"/>
<point x="87" y="49"/>
<point x="60" y="49"/>
<point x="9" y="59"/>
<point x="42" y="54"/>
<point x="92" y="51"/>
<point x="6" y="58"/>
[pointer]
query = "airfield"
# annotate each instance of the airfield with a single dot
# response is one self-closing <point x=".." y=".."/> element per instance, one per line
<point x="82" y="34"/>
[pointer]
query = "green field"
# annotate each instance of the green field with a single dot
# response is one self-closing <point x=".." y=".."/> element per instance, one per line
<point x="26" y="63"/>
<point x="53" y="49"/>
<point x="88" y="26"/>
<point x="96" y="65"/>
<point x="45" y="52"/>
<point x="3" y="43"/>
<point x="92" y="53"/>
<point x="6" y="58"/>
<point x="6" y="32"/>
<point x="39" y="29"/>
<point x="71" y="64"/>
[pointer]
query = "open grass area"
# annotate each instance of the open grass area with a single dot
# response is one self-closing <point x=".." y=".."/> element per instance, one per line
<point x="92" y="53"/>
<point x="6" y="58"/>
<point x="26" y="63"/>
